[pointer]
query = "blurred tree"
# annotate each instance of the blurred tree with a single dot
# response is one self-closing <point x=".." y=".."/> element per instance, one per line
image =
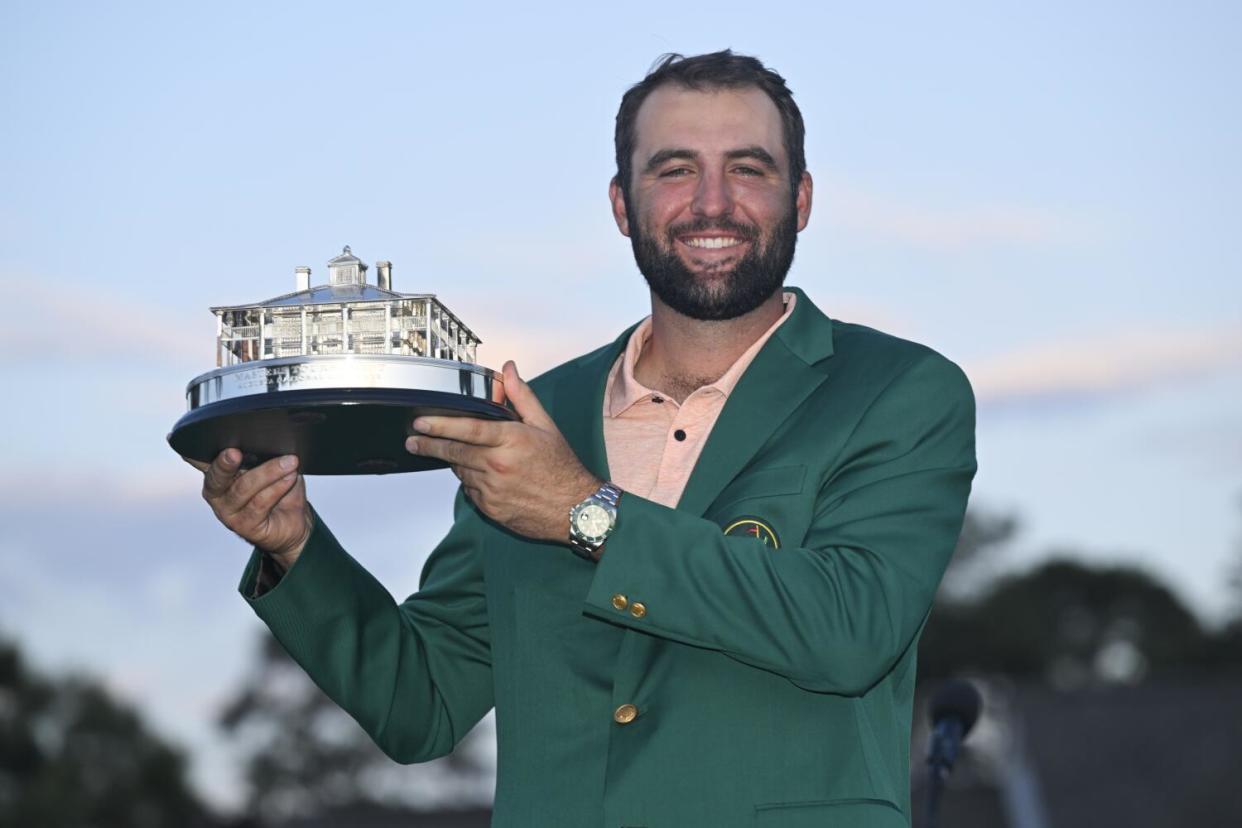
<point x="306" y="757"/>
<point x="72" y="756"/>
<point x="1234" y="577"/>
<point x="984" y="536"/>
<point x="1229" y="641"/>
<point x="1073" y="624"/>
<point x="1070" y="624"/>
<point x="947" y="640"/>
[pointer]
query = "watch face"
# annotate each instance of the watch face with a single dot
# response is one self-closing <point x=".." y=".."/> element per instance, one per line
<point x="593" y="521"/>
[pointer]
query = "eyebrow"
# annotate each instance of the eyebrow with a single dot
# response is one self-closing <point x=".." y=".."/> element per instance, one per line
<point x="754" y="152"/>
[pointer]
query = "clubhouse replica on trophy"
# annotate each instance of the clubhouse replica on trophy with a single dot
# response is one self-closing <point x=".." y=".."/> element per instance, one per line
<point x="335" y="374"/>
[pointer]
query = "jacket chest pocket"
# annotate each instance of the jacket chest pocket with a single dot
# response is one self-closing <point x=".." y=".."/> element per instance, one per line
<point x="767" y="504"/>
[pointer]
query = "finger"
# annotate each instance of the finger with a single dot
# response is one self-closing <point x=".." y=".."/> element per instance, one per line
<point x="295" y="498"/>
<point x="296" y="493"/>
<point x="256" y="480"/>
<point x="462" y="429"/>
<point x="219" y="476"/>
<point x="525" y="403"/>
<point x="259" y="508"/>
<point x="198" y="464"/>
<point x="471" y="483"/>
<point x="450" y="451"/>
<point x="469" y="478"/>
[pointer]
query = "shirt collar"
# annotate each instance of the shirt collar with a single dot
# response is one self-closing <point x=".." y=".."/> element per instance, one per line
<point x="625" y="391"/>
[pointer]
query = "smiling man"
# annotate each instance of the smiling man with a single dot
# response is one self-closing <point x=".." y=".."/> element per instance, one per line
<point x="716" y="212"/>
<point x="691" y="578"/>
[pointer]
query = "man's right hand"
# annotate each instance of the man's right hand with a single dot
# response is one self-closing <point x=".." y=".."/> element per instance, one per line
<point x="266" y="505"/>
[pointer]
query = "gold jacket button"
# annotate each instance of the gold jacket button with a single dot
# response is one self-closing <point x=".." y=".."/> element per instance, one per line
<point x="620" y="601"/>
<point x="638" y="609"/>
<point x="625" y="714"/>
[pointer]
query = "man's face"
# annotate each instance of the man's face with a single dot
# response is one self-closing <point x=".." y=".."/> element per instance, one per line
<point x="710" y="212"/>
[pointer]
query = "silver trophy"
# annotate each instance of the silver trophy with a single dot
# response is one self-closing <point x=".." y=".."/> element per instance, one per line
<point x="335" y="374"/>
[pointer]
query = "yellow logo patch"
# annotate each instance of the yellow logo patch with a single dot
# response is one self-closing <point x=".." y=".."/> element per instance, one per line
<point x="753" y="527"/>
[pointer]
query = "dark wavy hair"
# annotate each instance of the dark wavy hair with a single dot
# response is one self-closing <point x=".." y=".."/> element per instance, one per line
<point x="711" y="71"/>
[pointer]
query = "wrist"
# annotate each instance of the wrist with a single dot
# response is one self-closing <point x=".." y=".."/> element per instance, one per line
<point x="586" y="487"/>
<point x="286" y="556"/>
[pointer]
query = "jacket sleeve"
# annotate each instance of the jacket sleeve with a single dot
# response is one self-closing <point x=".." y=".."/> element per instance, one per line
<point x="835" y="614"/>
<point x="415" y="675"/>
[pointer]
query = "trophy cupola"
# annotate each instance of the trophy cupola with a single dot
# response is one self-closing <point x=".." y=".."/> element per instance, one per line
<point x="347" y="269"/>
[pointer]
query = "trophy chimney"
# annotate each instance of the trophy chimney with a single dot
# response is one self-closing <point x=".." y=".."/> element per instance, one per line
<point x="303" y="275"/>
<point x="384" y="274"/>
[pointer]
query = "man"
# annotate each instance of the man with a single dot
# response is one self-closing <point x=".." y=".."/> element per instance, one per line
<point x="761" y="502"/>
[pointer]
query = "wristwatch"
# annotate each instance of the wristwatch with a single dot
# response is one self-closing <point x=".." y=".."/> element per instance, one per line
<point x="592" y="520"/>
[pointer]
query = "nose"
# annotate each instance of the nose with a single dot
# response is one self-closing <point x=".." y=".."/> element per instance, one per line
<point x="712" y="198"/>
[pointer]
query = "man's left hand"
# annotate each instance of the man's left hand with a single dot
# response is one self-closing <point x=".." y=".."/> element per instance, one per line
<point x="522" y="474"/>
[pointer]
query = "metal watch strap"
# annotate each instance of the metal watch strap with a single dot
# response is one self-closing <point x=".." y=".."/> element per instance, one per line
<point x="609" y="494"/>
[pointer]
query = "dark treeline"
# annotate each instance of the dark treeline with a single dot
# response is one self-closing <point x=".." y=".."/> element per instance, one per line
<point x="1066" y="623"/>
<point x="71" y="755"/>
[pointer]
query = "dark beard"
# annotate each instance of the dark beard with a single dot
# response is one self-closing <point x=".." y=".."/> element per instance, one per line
<point x="748" y="285"/>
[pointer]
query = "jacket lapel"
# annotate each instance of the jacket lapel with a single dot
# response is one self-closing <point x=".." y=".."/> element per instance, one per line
<point x="577" y="404"/>
<point x="783" y="374"/>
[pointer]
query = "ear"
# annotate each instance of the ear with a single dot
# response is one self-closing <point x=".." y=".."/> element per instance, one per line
<point x="619" y="214"/>
<point x="803" y="200"/>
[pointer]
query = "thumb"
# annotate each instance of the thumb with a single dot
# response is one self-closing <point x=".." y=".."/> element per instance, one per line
<point x="525" y="403"/>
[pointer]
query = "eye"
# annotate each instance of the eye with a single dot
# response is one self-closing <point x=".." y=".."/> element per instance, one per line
<point x="747" y="170"/>
<point x="676" y="172"/>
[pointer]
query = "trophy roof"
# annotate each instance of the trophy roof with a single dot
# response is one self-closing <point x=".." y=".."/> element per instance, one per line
<point x="330" y="295"/>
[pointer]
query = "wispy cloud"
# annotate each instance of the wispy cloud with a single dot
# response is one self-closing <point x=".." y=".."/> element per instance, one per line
<point x="89" y="325"/>
<point x="122" y="486"/>
<point x="1125" y="360"/>
<point x="942" y="226"/>
<point x="535" y="346"/>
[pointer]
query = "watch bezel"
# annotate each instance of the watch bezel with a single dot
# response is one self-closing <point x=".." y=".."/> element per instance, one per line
<point x="582" y="508"/>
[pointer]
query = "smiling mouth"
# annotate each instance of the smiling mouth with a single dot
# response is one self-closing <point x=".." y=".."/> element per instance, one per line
<point x="712" y="242"/>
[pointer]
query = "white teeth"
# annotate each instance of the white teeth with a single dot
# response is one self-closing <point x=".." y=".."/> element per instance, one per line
<point x="714" y="241"/>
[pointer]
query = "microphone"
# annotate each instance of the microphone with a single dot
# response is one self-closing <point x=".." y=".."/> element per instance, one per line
<point x="954" y="709"/>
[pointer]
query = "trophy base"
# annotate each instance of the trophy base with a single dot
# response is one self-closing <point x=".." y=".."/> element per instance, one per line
<point x="332" y="431"/>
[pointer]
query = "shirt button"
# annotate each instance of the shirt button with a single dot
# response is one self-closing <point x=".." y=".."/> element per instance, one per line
<point x="625" y="714"/>
<point x="679" y="435"/>
<point x="638" y="609"/>
<point x="620" y="602"/>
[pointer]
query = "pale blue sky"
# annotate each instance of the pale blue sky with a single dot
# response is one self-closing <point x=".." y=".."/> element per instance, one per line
<point x="1046" y="193"/>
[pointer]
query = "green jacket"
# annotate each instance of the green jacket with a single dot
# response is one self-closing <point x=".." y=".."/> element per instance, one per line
<point x="772" y="684"/>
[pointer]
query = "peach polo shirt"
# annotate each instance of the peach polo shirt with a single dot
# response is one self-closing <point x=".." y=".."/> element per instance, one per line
<point x="652" y="442"/>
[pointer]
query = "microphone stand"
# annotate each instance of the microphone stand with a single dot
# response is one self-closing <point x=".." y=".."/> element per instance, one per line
<point x="946" y="738"/>
<point x="954" y="709"/>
